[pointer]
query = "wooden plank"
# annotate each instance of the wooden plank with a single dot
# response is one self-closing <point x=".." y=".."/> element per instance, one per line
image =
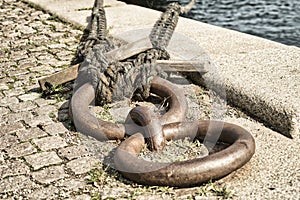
<point x="60" y="77"/>
<point x="130" y="49"/>
<point x="183" y="65"/>
<point x="71" y="73"/>
<point x="122" y="53"/>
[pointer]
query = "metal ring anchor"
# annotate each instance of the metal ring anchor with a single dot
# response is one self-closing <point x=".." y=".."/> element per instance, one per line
<point x="190" y="172"/>
<point x="88" y="124"/>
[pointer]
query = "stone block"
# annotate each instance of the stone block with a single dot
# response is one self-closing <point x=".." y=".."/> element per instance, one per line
<point x="42" y="102"/>
<point x="4" y="110"/>
<point x="15" y="117"/>
<point x="73" y="152"/>
<point x="22" y="106"/>
<point x="10" y="128"/>
<point x="20" y="150"/>
<point x="31" y="133"/>
<point x="49" y="174"/>
<point x="16" y="183"/>
<point x="43" y="159"/>
<point x="7" y="141"/>
<point x="39" y="121"/>
<point x="71" y="184"/>
<point x="52" y="142"/>
<point x="49" y="192"/>
<point x="56" y="128"/>
<point x="46" y="110"/>
<point x="3" y="86"/>
<point x="13" y="168"/>
<point x="82" y="165"/>
<point x="6" y="101"/>
<point x="29" y="96"/>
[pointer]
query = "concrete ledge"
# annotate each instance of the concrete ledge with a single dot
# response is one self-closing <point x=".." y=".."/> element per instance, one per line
<point x="261" y="77"/>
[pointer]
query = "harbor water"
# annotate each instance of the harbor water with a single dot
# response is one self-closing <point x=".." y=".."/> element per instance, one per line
<point x="277" y="20"/>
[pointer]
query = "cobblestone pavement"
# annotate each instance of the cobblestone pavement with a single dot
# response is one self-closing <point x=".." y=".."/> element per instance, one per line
<point x="42" y="157"/>
<point x="39" y="157"/>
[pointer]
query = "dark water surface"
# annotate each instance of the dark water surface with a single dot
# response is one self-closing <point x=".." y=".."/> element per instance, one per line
<point x="277" y="20"/>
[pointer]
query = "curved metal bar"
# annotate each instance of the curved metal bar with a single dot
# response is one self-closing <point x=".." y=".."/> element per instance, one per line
<point x="88" y="124"/>
<point x="190" y="172"/>
<point x="175" y="96"/>
<point x="147" y="123"/>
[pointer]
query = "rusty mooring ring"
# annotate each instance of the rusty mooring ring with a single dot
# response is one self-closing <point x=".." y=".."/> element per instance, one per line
<point x="88" y="124"/>
<point x="190" y="172"/>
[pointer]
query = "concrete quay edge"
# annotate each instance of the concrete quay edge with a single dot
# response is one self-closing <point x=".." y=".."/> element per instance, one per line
<point x="261" y="77"/>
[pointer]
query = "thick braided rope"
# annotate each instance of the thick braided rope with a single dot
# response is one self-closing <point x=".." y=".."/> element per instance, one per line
<point x="164" y="27"/>
<point x="122" y="79"/>
<point x="117" y="80"/>
<point x="95" y="33"/>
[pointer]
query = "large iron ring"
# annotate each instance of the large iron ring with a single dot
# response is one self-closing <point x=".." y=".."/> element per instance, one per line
<point x="190" y="172"/>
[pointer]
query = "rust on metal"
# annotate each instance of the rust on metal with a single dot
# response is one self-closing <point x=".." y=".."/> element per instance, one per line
<point x="141" y="122"/>
<point x="88" y="124"/>
<point x="190" y="172"/>
<point x="148" y="124"/>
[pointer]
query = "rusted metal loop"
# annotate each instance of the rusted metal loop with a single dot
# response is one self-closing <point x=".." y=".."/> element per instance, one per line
<point x="88" y="124"/>
<point x="190" y="172"/>
<point x="142" y="119"/>
<point x="176" y="98"/>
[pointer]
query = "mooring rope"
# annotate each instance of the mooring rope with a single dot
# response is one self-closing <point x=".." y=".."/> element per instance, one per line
<point x="116" y="80"/>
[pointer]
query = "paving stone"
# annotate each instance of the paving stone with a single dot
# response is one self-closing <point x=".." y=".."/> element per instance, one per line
<point x="16" y="56"/>
<point x="52" y="142"/>
<point x="39" y="121"/>
<point x="42" y="102"/>
<point x="13" y="168"/>
<point x="7" y="140"/>
<point x="22" y="106"/>
<point x="26" y="29"/>
<point x="43" y="159"/>
<point x="73" y="152"/>
<point x="82" y="165"/>
<point x="3" y="86"/>
<point x="15" y="117"/>
<point x="22" y="149"/>
<point x="29" y="97"/>
<point x="64" y="54"/>
<point x="4" y="110"/>
<point x="82" y="197"/>
<point x="16" y="183"/>
<point x="28" y="63"/>
<point x="43" y="69"/>
<point x="14" y="92"/>
<point x="71" y="184"/>
<point x="49" y="174"/>
<point x="56" y="128"/>
<point x="10" y="128"/>
<point x="6" y="101"/>
<point x="46" y="110"/>
<point x="17" y="72"/>
<point x="38" y="49"/>
<point x="31" y="133"/>
<point x="49" y="192"/>
<point x="56" y="46"/>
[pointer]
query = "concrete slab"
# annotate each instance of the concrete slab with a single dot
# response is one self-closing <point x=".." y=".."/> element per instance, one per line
<point x="260" y="76"/>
